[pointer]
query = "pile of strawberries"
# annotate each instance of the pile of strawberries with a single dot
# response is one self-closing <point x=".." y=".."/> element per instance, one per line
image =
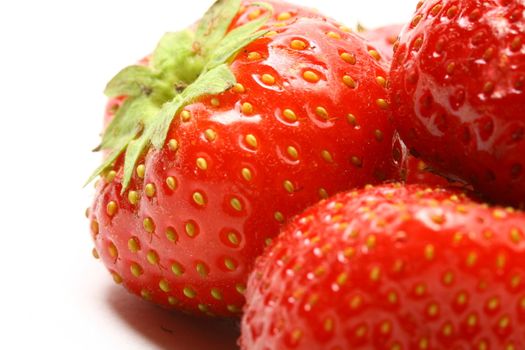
<point x="217" y="143"/>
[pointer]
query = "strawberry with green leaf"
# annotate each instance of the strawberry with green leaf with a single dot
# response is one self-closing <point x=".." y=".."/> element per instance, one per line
<point x="227" y="132"/>
<point x="392" y="267"/>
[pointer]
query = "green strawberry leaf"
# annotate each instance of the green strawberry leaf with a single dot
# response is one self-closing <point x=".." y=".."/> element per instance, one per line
<point x="175" y="50"/>
<point x="238" y="38"/>
<point x="213" y="82"/>
<point x="184" y="67"/>
<point x="131" y="81"/>
<point x="214" y="25"/>
<point x="128" y="122"/>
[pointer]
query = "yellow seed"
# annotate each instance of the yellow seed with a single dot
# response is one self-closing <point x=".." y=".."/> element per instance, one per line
<point x="298" y="44"/>
<point x="141" y="171"/>
<point x="323" y="194"/>
<point x="171" y="182"/>
<point x="148" y="225"/>
<point x="215" y="102"/>
<point x="171" y="235"/>
<point x="133" y="197"/>
<point x="198" y="198"/>
<point x="189" y="292"/>
<point x="348" y="58"/>
<point x="381" y="81"/>
<point x="241" y="288"/>
<point x="268" y="79"/>
<point x="328" y="325"/>
<point x="173" y="145"/>
<point x="239" y="88"/>
<point x="136" y="270"/>
<point x="152" y="257"/>
<point x="327" y="156"/>
<point x="94" y="227"/>
<point x="516" y="236"/>
<point x="251" y="140"/>
<point x="254" y="14"/>
<point x="234" y="309"/>
<point x="191" y="230"/>
<point x="111" y="176"/>
<point x="356" y="161"/>
<point x="278" y="216"/>
<point x="333" y="35"/>
<point x="430" y="252"/>
<point x="375" y="54"/>
<point x="116" y="278"/>
<point x="145" y="294"/>
<point x="375" y="274"/>
<point x="233" y="238"/>
<point x="247" y="174"/>
<point x="230" y="264"/>
<point x="202" y="270"/>
<point x="185" y="115"/>
<point x="236" y="204"/>
<point x="254" y="56"/>
<point x="247" y="108"/>
<point x="111" y="208"/>
<point x="283" y="16"/>
<point x="133" y="245"/>
<point x="311" y="77"/>
<point x="95" y="254"/>
<point x="292" y="152"/>
<point x="202" y="164"/>
<point x="271" y="33"/>
<point x="177" y="269"/>
<point x="290" y="115"/>
<point x="322" y="112"/>
<point x="210" y="135"/>
<point x="150" y="190"/>
<point x="382" y="103"/>
<point x="349" y="81"/>
<point x="288" y="186"/>
<point x="164" y="286"/>
<point x="216" y="294"/>
<point x="112" y="250"/>
<point x="351" y="119"/>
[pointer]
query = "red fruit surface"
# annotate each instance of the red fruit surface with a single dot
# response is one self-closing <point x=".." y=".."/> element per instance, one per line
<point x="238" y="165"/>
<point x="391" y="267"/>
<point x="383" y="39"/>
<point x="418" y="172"/>
<point x="457" y="89"/>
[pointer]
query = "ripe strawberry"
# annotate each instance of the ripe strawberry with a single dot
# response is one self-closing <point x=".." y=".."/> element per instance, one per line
<point x="457" y="87"/>
<point x="190" y="195"/>
<point x="418" y="172"/>
<point x="383" y="39"/>
<point x="391" y="268"/>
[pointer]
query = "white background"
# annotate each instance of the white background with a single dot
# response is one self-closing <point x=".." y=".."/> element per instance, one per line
<point x="55" y="58"/>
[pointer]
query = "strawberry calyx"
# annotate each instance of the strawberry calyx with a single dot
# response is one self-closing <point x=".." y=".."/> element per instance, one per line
<point x="185" y="66"/>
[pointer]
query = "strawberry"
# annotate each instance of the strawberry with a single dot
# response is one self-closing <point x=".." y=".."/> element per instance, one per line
<point x="418" y="172"/>
<point x="383" y="39"/>
<point x="224" y="136"/>
<point x="391" y="267"/>
<point x="457" y="89"/>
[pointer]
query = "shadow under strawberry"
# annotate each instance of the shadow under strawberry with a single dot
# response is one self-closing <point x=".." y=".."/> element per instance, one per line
<point x="167" y="330"/>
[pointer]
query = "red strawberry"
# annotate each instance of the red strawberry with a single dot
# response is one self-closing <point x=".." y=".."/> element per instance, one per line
<point x="299" y="114"/>
<point x="418" y="172"/>
<point x="457" y="87"/>
<point x="392" y="268"/>
<point x="383" y="39"/>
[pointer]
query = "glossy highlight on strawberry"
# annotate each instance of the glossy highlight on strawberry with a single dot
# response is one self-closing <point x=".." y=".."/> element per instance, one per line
<point x="181" y="214"/>
<point x="391" y="267"/>
<point x="457" y="89"/>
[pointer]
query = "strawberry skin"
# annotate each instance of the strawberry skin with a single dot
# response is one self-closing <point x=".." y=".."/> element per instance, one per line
<point x="383" y="39"/>
<point x="237" y="165"/>
<point x="418" y="172"/>
<point x="391" y="267"/>
<point x="457" y="89"/>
